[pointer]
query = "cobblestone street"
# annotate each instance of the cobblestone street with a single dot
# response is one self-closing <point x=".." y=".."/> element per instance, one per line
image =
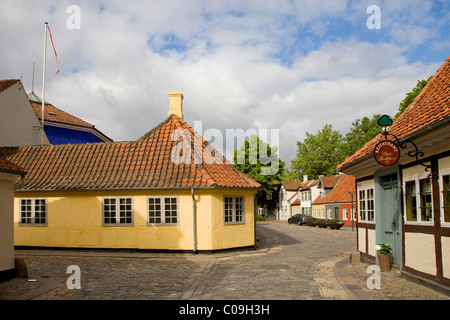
<point x="292" y="262"/>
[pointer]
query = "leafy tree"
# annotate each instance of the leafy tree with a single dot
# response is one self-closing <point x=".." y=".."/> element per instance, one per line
<point x="318" y="154"/>
<point x="265" y="167"/>
<point x="410" y="96"/>
<point x="362" y="131"/>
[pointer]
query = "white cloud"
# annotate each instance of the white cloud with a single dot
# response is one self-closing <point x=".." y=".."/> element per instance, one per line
<point x="227" y="57"/>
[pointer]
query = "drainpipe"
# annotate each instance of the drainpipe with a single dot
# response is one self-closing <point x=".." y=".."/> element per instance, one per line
<point x="194" y="217"/>
<point x="255" y="207"/>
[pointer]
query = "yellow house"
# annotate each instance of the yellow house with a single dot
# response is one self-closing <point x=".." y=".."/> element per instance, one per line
<point x="9" y="173"/>
<point x="169" y="190"/>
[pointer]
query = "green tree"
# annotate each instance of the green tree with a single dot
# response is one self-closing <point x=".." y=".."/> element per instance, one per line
<point x="318" y="154"/>
<point x="259" y="161"/>
<point x="410" y="96"/>
<point x="362" y="131"/>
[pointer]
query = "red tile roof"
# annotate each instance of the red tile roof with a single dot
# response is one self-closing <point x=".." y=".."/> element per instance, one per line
<point x="8" y="166"/>
<point x="330" y="181"/>
<point x="291" y="185"/>
<point x="53" y="114"/>
<point x="309" y="184"/>
<point x="431" y="106"/>
<point x="339" y="194"/>
<point x="145" y="163"/>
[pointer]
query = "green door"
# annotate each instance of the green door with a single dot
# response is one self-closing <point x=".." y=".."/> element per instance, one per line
<point x="388" y="216"/>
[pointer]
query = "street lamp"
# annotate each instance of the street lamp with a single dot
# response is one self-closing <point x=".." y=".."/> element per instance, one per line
<point x="351" y="193"/>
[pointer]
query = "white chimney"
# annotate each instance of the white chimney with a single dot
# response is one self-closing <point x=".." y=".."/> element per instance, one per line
<point x="176" y="104"/>
<point x="305" y="178"/>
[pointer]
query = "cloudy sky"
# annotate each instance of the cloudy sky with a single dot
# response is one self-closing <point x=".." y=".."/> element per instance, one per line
<point x="291" y="66"/>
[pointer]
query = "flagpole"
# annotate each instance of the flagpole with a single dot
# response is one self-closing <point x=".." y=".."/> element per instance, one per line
<point x="43" y="83"/>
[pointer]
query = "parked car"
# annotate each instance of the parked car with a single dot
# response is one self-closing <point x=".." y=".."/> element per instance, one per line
<point x="299" y="218"/>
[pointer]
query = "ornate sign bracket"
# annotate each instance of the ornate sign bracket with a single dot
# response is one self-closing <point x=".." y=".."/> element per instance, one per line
<point x="385" y="122"/>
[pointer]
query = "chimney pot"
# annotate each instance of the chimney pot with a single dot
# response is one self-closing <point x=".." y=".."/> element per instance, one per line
<point x="176" y="104"/>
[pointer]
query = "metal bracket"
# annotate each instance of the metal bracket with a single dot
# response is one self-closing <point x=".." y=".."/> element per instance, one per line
<point x="385" y="121"/>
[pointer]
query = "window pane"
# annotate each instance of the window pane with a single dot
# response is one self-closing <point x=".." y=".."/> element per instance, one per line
<point x="125" y="210"/>
<point x="239" y="212"/>
<point x="446" y="197"/>
<point x="154" y="210"/>
<point x="411" y="201"/>
<point x="109" y="211"/>
<point x="25" y="211"/>
<point x="228" y="203"/>
<point x="39" y="211"/>
<point x="171" y="212"/>
<point x="426" y="211"/>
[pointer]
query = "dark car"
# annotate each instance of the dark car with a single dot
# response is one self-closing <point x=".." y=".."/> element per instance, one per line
<point x="299" y="218"/>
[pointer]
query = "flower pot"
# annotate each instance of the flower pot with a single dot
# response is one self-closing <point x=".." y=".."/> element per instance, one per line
<point x="385" y="261"/>
<point x="336" y="225"/>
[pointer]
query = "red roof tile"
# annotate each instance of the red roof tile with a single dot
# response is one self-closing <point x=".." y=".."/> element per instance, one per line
<point x="431" y="106"/>
<point x="53" y="114"/>
<point x="339" y="194"/>
<point x="8" y="166"/>
<point x="330" y="181"/>
<point x="291" y="185"/>
<point x="145" y="163"/>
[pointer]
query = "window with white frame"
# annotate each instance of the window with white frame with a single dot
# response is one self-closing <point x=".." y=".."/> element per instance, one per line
<point x="344" y="214"/>
<point x="33" y="212"/>
<point x="445" y="198"/>
<point x="163" y="211"/>
<point x="233" y="209"/>
<point x="117" y="211"/>
<point x="418" y="200"/>
<point x="366" y="205"/>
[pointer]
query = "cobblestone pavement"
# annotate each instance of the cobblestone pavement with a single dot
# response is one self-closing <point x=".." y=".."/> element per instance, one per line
<point x="291" y="262"/>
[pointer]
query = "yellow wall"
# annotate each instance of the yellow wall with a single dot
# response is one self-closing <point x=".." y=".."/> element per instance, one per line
<point x="75" y="220"/>
<point x="319" y="208"/>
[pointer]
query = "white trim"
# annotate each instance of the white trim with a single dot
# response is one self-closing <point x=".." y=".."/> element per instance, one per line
<point x="163" y="212"/>
<point x="233" y="210"/>
<point x="416" y="180"/>
<point x="441" y="197"/>
<point x="33" y="213"/>
<point x="366" y="202"/>
<point x="117" y="213"/>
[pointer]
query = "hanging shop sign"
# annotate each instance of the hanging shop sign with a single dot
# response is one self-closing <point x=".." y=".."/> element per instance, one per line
<point x="386" y="153"/>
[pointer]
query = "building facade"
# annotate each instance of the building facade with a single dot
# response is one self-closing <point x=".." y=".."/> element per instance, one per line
<point x="62" y="128"/>
<point x="152" y="193"/>
<point x="18" y="123"/>
<point x="403" y="195"/>
<point x="10" y="174"/>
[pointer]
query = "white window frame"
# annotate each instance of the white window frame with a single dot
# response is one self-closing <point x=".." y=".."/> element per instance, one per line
<point x="164" y="212"/>
<point x="31" y="219"/>
<point x="230" y="214"/>
<point x="117" y="212"/>
<point x="416" y="180"/>
<point x="441" y="196"/>
<point x="366" y="201"/>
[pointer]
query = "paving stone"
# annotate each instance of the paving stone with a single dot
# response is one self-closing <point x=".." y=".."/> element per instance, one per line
<point x="291" y="263"/>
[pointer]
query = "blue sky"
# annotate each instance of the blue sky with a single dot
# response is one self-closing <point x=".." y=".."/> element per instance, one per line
<point x="293" y="66"/>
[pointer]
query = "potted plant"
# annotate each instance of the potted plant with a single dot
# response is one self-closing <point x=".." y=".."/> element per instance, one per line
<point x="310" y="221"/>
<point x="335" y="224"/>
<point x="321" y="223"/>
<point x="384" y="256"/>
